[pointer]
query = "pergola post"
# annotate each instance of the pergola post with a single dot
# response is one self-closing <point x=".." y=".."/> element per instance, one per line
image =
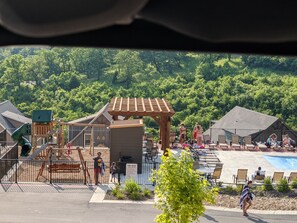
<point x="165" y="132"/>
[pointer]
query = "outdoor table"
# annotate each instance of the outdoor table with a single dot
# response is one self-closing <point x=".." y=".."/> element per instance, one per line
<point x="206" y="171"/>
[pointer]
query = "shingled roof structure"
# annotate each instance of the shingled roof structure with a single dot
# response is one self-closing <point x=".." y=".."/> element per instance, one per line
<point x="9" y="113"/>
<point x="243" y="122"/>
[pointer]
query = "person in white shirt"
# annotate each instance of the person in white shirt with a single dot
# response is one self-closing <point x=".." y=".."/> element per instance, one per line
<point x="259" y="173"/>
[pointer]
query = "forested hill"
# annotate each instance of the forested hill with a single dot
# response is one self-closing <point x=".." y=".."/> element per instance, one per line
<point x="75" y="82"/>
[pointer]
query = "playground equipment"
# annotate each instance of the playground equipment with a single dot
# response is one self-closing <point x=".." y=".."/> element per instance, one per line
<point x="64" y="167"/>
<point x="19" y="136"/>
<point x="43" y="128"/>
<point x="46" y="129"/>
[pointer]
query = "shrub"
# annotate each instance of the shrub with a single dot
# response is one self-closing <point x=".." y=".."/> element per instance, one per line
<point x="267" y="186"/>
<point x="230" y="190"/>
<point x="120" y="195"/>
<point x="283" y="186"/>
<point x="294" y="184"/>
<point x="131" y="186"/>
<point x="116" y="190"/>
<point x="146" y="192"/>
<point x="135" y="195"/>
<point x="259" y="188"/>
<point x="238" y="189"/>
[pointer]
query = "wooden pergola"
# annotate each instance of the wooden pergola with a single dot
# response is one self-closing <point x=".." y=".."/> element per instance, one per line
<point x="159" y="109"/>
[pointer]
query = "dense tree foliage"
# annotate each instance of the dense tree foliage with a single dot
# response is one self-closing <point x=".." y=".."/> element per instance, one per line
<point x="75" y="82"/>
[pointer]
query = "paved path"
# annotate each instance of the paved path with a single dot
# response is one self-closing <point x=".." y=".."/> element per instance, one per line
<point x="70" y="203"/>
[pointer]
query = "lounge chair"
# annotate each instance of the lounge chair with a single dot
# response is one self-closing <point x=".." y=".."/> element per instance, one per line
<point x="222" y="142"/>
<point x="248" y="143"/>
<point x="206" y="139"/>
<point x="216" y="174"/>
<point x="277" y="176"/>
<point x="262" y="146"/>
<point x="293" y="176"/>
<point x="219" y="165"/>
<point x="241" y="177"/>
<point x="235" y="142"/>
<point x="260" y="177"/>
<point x="212" y="146"/>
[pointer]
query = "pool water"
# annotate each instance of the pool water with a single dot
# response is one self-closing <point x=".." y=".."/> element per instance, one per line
<point x="282" y="162"/>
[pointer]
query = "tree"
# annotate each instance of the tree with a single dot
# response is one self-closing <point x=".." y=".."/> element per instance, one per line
<point x="126" y="65"/>
<point x="181" y="191"/>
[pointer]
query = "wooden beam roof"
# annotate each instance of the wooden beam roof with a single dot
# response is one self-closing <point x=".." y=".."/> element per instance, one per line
<point x="140" y="107"/>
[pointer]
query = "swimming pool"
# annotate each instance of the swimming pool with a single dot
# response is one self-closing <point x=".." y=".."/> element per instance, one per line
<point x="282" y="162"/>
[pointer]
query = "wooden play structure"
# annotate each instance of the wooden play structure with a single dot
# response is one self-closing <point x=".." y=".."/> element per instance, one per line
<point x="159" y="109"/>
<point x="63" y="167"/>
<point x="46" y="129"/>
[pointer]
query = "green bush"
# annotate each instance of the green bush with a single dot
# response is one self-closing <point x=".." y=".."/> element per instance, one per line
<point x="267" y="186"/>
<point x="283" y="186"/>
<point x="294" y="184"/>
<point x="230" y="189"/>
<point x="146" y="192"/>
<point x="239" y="189"/>
<point x="131" y="186"/>
<point x="135" y="196"/>
<point x="120" y="195"/>
<point x="116" y="190"/>
<point x="259" y="188"/>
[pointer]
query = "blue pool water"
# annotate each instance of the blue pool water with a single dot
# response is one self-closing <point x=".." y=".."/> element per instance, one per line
<point x="282" y="162"/>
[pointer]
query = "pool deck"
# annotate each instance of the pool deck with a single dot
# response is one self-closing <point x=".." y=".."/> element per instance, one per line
<point x="234" y="160"/>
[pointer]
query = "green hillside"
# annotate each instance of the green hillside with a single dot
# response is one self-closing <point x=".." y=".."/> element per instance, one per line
<point x="75" y="82"/>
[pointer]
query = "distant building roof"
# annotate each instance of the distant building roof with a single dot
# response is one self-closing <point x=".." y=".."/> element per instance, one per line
<point x="102" y="111"/>
<point x="16" y="117"/>
<point x="4" y="107"/>
<point x="245" y="121"/>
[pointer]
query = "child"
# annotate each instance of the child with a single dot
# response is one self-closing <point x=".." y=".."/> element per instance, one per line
<point x="113" y="170"/>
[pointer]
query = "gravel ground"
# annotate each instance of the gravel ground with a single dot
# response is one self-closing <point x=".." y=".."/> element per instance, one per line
<point x="269" y="201"/>
<point x="264" y="201"/>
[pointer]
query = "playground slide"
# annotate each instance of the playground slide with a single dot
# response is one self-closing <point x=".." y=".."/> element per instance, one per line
<point x="37" y="151"/>
<point x="18" y="135"/>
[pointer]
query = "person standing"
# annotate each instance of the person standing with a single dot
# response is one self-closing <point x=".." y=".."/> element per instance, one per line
<point x="199" y="135"/>
<point x="182" y="133"/>
<point x="195" y="134"/>
<point x="113" y="170"/>
<point x="246" y="198"/>
<point x="99" y="167"/>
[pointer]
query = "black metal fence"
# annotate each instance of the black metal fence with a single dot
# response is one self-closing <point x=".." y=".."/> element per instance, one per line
<point x="8" y="150"/>
<point x="67" y="171"/>
<point x="9" y="159"/>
